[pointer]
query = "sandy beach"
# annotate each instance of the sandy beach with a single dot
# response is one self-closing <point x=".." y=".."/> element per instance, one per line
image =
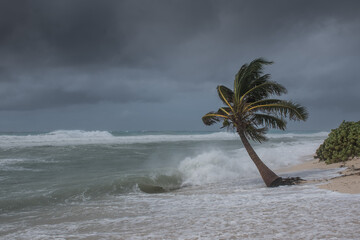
<point x="347" y="182"/>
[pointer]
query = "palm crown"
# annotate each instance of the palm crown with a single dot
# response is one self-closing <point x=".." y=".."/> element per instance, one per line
<point x="249" y="108"/>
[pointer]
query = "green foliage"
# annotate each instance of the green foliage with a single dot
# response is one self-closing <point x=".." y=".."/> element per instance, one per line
<point x="342" y="143"/>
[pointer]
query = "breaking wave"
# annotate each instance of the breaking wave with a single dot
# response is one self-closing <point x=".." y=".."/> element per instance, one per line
<point x="202" y="168"/>
<point x="79" y="137"/>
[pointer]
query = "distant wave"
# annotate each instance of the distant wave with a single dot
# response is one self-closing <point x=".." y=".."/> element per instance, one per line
<point x="16" y="164"/>
<point x="79" y="134"/>
<point x="293" y="135"/>
<point x="79" y="137"/>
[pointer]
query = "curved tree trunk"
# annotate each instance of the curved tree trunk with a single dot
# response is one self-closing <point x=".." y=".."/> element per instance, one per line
<point x="269" y="177"/>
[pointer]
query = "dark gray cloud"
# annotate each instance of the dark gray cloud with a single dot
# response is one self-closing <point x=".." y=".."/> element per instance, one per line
<point x="128" y="33"/>
<point x="56" y="54"/>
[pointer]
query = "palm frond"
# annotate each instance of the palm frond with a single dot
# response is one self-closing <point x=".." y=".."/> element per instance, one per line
<point x="226" y="95"/>
<point x="239" y="75"/>
<point x="247" y="74"/>
<point x="256" y="66"/>
<point x="225" y="110"/>
<point x="269" y="121"/>
<point x="284" y="108"/>
<point x="228" y="124"/>
<point x="212" y="117"/>
<point x="249" y="107"/>
<point x="255" y="134"/>
<point x="262" y="91"/>
<point x="260" y="80"/>
<point x="263" y="102"/>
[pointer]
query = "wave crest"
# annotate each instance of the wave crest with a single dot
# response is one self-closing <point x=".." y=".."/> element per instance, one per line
<point x="79" y="134"/>
<point x="216" y="166"/>
<point x="79" y="137"/>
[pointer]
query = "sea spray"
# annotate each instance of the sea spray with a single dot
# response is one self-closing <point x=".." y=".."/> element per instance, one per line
<point x="77" y="184"/>
<point x="215" y="166"/>
<point x="64" y="167"/>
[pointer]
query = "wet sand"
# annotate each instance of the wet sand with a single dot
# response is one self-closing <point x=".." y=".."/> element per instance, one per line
<point x="347" y="182"/>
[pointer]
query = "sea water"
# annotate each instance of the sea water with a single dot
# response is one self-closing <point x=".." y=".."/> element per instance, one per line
<point x="164" y="185"/>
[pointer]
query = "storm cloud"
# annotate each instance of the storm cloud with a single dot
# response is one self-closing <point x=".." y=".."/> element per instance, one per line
<point x="81" y="53"/>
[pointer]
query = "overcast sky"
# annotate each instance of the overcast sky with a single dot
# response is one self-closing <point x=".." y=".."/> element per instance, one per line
<point x="155" y="65"/>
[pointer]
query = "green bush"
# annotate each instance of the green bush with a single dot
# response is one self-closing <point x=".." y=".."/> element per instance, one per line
<point x="342" y="143"/>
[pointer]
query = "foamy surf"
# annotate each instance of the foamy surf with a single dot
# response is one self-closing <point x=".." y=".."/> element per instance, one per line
<point x="216" y="166"/>
<point x="77" y="184"/>
<point x="78" y="137"/>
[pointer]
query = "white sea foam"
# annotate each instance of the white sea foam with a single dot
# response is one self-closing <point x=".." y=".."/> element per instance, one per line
<point x="220" y="165"/>
<point x="294" y="135"/>
<point x="283" y="154"/>
<point x="10" y="161"/>
<point x="15" y="164"/>
<point x="79" y="137"/>
<point x="79" y="134"/>
<point x="56" y="138"/>
<point x="211" y="212"/>
<point x="234" y="206"/>
<point x="215" y="166"/>
<point x="15" y="161"/>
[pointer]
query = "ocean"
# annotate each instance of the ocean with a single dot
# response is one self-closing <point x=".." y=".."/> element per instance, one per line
<point x="164" y="185"/>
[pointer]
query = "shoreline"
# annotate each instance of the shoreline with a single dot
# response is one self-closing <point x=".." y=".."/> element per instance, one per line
<point x="347" y="182"/>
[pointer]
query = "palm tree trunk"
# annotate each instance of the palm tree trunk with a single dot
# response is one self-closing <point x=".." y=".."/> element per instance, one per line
<point x="269" y="177"/>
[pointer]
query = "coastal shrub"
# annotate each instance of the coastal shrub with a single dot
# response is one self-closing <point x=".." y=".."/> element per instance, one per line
<point x="342" y="143"/>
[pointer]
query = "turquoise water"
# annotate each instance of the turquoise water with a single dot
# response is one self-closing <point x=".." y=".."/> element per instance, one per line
<point x="78" y="184"/>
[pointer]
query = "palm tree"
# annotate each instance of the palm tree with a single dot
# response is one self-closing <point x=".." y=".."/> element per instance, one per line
<point x="250" y="111"/>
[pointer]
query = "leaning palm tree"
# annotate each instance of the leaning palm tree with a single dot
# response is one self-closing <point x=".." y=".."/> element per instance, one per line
<point x="250" y="110"/>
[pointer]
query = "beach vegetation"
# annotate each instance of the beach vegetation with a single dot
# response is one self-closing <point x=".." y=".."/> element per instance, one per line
<point x="342" y="144"/>
<point x="250" y="110"/>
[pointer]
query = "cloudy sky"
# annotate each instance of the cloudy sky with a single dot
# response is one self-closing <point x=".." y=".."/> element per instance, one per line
<point x="155" y="65"/>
